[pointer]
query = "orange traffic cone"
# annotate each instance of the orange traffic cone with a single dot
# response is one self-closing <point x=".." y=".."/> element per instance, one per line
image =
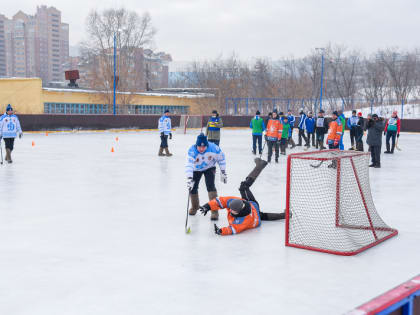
<point x="46" y="133"/>
<point x="112" y="149"/>
<point x="116" y="139"/>
<point x="33" y="143"/>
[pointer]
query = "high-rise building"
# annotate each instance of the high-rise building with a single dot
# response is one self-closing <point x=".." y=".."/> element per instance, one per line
<point x="34" y="45"/>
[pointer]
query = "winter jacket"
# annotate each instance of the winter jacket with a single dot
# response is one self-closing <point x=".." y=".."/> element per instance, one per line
<point x="375" y="129"/>
<point x="335" y="131"/>
<point x="274" y="128"/>
<point x="393" y="124"/>
<point x="352" y="122"/>
<point x="291" y="120"/>
<point x="302" y="121"/>
<point x="200" y="162"/>
<point x="321" y="125"/>
<point x="343" y="122"/>
<point x="257" y="125"/>
<point x="310" y="124"/>
<point x="165" y="125"/>
<point x="9" y="126"/>
<point x="213" y="128"/>
<point x="236" y="224"/>
<point x="286" y="130"/>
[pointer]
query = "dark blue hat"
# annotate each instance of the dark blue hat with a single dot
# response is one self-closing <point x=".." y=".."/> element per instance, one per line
<point x="166" y="111"/>
<point x="202" y="140"/>
<point x="9" y="107"/>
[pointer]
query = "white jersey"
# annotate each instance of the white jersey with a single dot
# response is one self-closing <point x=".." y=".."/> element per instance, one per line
<point x="200" y="162"/>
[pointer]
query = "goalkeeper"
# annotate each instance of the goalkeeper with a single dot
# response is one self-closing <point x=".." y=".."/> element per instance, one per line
<point x="242" y="213"/>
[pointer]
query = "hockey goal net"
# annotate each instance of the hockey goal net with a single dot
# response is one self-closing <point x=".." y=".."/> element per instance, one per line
<point x="189" y="122"/>
<point x="329" y="206"/>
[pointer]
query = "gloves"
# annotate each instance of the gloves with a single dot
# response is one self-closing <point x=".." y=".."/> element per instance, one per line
<point x="223" y="177"/>
<point x="20" y="135"/>
<point x="217" y="230"/>
<point x="170" y="136"/>
<point x="162" y="134"/>
<point x="398" y="135"/>
<point x="190" y="183"/>
<point x="336" y="142"/>
<point x="204" y="209"/>
<point x="265" y="137"/>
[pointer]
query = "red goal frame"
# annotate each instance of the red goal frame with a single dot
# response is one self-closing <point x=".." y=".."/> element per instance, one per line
<point x="371" y="227"/>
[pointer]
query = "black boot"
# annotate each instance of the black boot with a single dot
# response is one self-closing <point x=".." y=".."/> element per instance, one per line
<point x="259" y="166"/>
<point x="387" y="148"/>
<point x="271" y="216"/>
<point x="372" y="165"/>
<point x="377" y="165"/>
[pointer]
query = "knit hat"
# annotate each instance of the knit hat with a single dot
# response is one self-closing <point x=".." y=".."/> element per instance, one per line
<point x="322" y="111"/>
<point x="258" y="113"/>
<point x="9" y="107"/>
<point x="394" y="112"/>
<point x="353" y="111"/>
<point x="275" y="110"/>
<point x="281" y="114"/>
<point x="359" y="114"/>
<point x="202" y="140"/>
<point x="236" y="205"/>
<point x="214" y="112"/>
<point x="335" y="113"/>
<point x="374" y="116"/>
<point x="166" y="111"/>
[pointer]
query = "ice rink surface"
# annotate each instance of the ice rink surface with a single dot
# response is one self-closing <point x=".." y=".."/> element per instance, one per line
<point x="86" y="231"/>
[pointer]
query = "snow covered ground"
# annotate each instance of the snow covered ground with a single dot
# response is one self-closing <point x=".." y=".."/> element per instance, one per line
<point x="411" y="111"/>
<point x="87" y="231"/>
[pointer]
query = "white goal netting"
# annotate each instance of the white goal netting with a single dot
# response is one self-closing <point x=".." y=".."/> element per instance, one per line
<point x="189" y="123"/>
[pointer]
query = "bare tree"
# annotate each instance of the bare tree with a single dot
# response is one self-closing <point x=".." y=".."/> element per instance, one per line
<point x="374" y="80"/>
<point x="132" y="33"/>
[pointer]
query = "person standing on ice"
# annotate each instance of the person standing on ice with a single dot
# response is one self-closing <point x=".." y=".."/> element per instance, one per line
<point x="257" y="125"/>
<point x="343" y="128"/>
<point x="321" y="129"/>
<point x="165" y="131"/>
<point x="301" y="127"/>
<point x="291" y="118"/>
<point x="9" y="129"/>
<point x="242" y="213"/>
<point x="352" y="124"/>
<point x="333" y="139"/>
<point x="285" y="132"/>
<point x="359" y="132"/>
<point x="272" y="135"/>
<point x="310" y="129"/>
<point x="213" y="128"/>
<point x="392" y="130"/>
<point x="375" y="128"/>
<point x="201" y="160"/>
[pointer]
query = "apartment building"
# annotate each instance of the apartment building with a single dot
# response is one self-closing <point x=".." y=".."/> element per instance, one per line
<point x="34" y="45"/>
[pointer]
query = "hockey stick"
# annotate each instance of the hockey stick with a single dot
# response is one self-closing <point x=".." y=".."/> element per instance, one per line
<point x="262" y="150"/>
<point x="317" y="165"/>
<point x="396" y="145"/>
<point x="187" y="228"/>
<point x="1" y="151"/>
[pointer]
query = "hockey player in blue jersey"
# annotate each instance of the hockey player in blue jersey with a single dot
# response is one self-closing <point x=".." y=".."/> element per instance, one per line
<point x="301" y="127"/>
<point x="291" y="119"/>
<point x="164" y="126"/>
<point x="310" y="129"/>
<point x="202" y="159"/>
<point x="352" y="125"/>
<point x="9" y="129"/>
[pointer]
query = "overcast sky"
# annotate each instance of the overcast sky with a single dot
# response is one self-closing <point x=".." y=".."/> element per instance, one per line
<point x="198" y="29"/>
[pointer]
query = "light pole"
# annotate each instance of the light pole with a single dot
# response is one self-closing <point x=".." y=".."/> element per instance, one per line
<point x="115" y="70"/>
<point x="322" y="75"/>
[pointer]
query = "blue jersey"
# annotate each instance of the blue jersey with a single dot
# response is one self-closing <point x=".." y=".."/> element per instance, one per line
<point x="165" y="125"/>
<point x="352" y="122"/>
<point x="200" y="162"/>
<point x="302" y="121"/>
<point x="291" y="120"/>
<point x="310" y="124"/>
<point x="9" y="126"/>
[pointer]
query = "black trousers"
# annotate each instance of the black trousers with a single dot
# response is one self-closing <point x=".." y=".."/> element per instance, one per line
<point x="9" y="142"/>
<point x="353" y="135"/>
<point x="320" y="137"/>
<point x="390" y="134"/>
<point x="270" y="145"/>
<point x="359" y="138"/>
<point x="163" y="141"/>
<point x="209" y="176"/>
<point x="216" y="142"/>
<point x="309" y="138"/>
<point x="302" y="135"/>
<point x="375" y="153"/>
<point x="283" y="145"/>
<point x="255" y="139"/>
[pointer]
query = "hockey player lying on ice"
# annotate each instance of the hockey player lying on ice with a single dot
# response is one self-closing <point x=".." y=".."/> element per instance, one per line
<point x="242" y="213"/>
